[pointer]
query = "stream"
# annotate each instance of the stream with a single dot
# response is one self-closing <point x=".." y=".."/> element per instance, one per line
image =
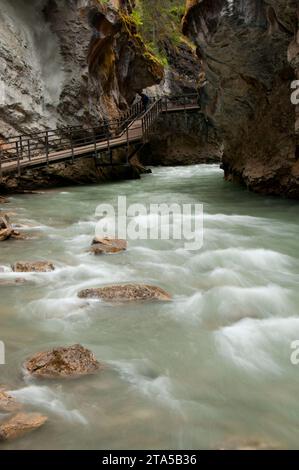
<point x="209" y="369"/>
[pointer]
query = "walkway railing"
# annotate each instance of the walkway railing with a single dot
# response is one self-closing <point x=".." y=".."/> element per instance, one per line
<point x="23" y="150"/>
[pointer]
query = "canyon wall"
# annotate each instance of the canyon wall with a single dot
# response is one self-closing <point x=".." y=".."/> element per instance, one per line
<point x="69" y="62"/>
<point x="248" y="50"/>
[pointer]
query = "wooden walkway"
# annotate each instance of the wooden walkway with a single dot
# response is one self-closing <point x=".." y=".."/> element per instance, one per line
<point x="49" y="147"/>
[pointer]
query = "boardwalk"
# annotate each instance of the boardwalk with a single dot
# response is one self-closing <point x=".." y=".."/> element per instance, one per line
<point x="55" y="146"/>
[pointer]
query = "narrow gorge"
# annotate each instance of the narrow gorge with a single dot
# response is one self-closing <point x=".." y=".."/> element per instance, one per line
<point x="149" y="254"/>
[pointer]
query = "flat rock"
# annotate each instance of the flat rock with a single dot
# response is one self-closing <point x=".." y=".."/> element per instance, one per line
<point x="63" y="362"/>
<point x="36" y="266"/>
<point x="8" y="403"/>
<point x="126" y="293"/>
<point x="102" y="246"/>
<point x="20" y="424"/>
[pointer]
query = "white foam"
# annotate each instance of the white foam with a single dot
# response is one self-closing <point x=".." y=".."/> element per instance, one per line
<point x="258" y="345"/>
<point x="44" y="397"/>
<point x="231" y="258"/>
<point x="156" y="388"/>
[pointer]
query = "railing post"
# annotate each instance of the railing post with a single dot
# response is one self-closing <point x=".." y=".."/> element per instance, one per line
<point x="1" y="176"/>
<point x="72" y="144"/>
<point x="94" y="143"/>
<point x="142" y="127"/>
<point x="18" y="157"/>
<point x="47" y="146"/>
<point x="127" y="144"/>
<point x="21" y="147"/>
<point x="29" y="149"/>
<point x="108" y="138"/>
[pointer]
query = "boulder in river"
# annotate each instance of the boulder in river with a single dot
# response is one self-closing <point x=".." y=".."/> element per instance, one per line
<point x="8" y="403"/>
<point x="36" y="266"/>
<point x="20" y="424"/>
<point x="7" y="231"/>
<point x="126" y="293"/>
<point x="5" y="234"/>
<point x="102" y="246"/>
<point x="64" y="362"/>
<point x="3" y="200"/>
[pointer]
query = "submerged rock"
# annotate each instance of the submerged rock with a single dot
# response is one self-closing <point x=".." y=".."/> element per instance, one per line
<point x="63" y="362"/>
<point x="107" y="246"/>
<point x="20" y="424"/>
<point x="126" y="293"/>
<point x="12" y="282"/>
<point x="248" y="444"/>
<point x="8" y="403"/>
<point x="36" y="266"/>
<point x="3" y="200"/>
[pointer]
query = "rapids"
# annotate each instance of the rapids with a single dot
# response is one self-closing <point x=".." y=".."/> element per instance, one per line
<point x="209" y="367"/>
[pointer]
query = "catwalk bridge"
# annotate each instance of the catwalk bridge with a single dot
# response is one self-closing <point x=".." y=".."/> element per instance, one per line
<point x="131" y="131"/>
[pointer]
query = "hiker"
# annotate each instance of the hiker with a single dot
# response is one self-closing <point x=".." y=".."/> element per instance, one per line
<point x="145" y="100"/>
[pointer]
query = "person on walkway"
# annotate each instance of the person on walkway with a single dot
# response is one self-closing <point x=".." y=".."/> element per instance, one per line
<point x="145" y="100"/>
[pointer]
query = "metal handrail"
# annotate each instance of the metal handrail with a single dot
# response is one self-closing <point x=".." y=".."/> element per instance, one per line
<point x="36" y="145"/>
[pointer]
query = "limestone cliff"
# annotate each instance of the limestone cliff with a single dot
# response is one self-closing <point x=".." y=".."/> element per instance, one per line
<point x="246" y="76"/>
<point x="69" y="62"/>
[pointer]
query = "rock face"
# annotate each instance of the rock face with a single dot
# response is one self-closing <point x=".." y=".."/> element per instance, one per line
<point x="69" y="63"/>
<point x="245" y="87"/>
<point x="8" y="403"/>
<point x="36" y="266"/>
<point x="64" y="362"/>
<point x="107" y="246"/>
<point x="20" y="424"/>
<point x="126" y="293"/>
<point x="65" y="64"/>
<point x="82" y="171"/>
<point x="7" y="231"/>
<point x="182" y="140"/>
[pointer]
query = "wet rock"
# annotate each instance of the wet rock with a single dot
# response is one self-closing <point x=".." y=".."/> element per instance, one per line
<point x="7" y="231"/>
<point x="36" y="266"/>
<point x="12" y="282"/>
<point x="126" y="293"/>
<point x="8" y="403"/>
<point x="107" y="246"/>
<point x="248" y="444"/>
<point x="4" y="222"/>
<point x="5" y="234"/>
<point x="244" y="49"/>
<point x="20" y="424"/>
<point x="64" y="362"/>
<point x="3" y="200"/>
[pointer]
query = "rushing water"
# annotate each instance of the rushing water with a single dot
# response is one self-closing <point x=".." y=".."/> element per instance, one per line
<point x="211" y="367"/>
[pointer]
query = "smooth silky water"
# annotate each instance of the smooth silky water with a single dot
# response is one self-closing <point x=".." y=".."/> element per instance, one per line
<point x="209" y="368"/>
